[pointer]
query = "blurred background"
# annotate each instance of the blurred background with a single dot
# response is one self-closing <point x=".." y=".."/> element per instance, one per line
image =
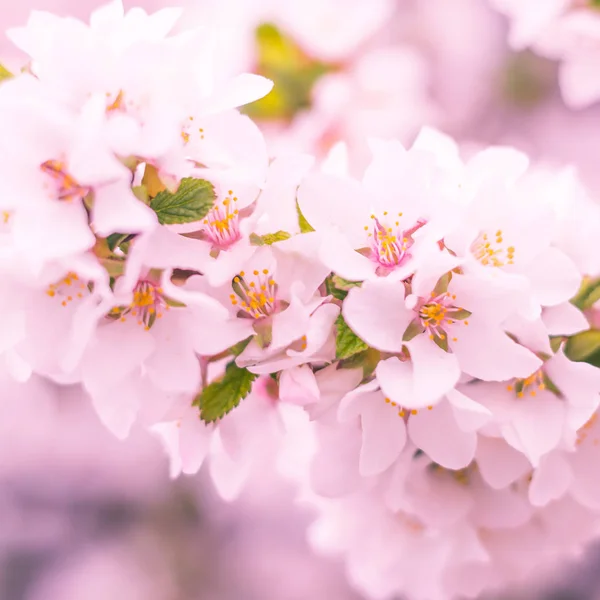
<point x="86" y="517"/>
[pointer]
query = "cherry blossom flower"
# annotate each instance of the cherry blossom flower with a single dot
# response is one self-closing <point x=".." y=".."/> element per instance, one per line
<point x="384" y="227"/>
<point x="458" y="328"/>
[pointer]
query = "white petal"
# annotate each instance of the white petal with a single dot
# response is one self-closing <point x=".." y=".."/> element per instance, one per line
<point x="551" y="480"/>
<point x="436" y="432"/>
<point x="564" y="319"/>
<point x="554" y="277"/>
<point x="396" y="380"/>
<point x="499" y="463"/>
<point x="538" y="425"/>
<point x="384" y="436"/>
<point x="375" y="312"/>
<point x="118" y="210"/>
<point x="240" y="90"/>
<point x="338" y="254"/>
<point x="469" y="415"/>
<point x="435" y="372"/>
<point x="328" y="202"/>
<point x="487" y="353"/>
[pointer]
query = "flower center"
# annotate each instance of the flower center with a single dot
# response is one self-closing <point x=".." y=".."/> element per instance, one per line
<point x="65" y="186"/>
<point x="461" y="476"/>
<point x="147" y="305"/>
<point x="404" y="412"/>
<point x="529" y="386"/>
<point x="389" y="245"/>
<point x="68" y="288"/>
<point x="256" y="296"/>
<point x="222" y="224"/>
<point x="440" y="311"/>
<point x="188" y="129"/>
<point x="491" y="251"/>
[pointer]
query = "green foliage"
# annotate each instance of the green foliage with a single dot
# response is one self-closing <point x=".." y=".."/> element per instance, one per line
<point x="527" y="79"/>
<point x="338" y="287"/>
<point x="347" y="343"/>
<point x="119" y="240"/>
<point x="583" y="345"/>
<point x="269" y="238"/>
<point x="588" y="294"/>
<point x="291" y="70"/>
<point x="238" y="348"/>
<point x="305" y="226"/>
<point x="367" y="360"/>
<point x="5" y="73"/>
<point x="220" y="397"/>
<point x="191" y="202"/>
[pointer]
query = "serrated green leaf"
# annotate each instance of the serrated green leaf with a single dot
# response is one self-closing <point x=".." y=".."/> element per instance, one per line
<point x="347" y="343"/>
<point x="305" y="226"/>
<point x="583" y="345"/>
<point x="269" y="238"/>
<point x="221" y="397"/>
<point x="5" y="73"/>
<point x="191" y="202"/>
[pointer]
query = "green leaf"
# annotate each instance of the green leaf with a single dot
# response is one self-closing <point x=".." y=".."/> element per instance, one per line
<point x="594" y="359"/>
<point x="269" y="238"/>
<point x="141" y="193"/>
<point x="588" y="294"/>
<point x="191" y="202"/>
<point x="338" y="287"/>
<point x="114" y="267"/>
<point x="344" y="284"/>
<point x="220" y="397"/>
<point x="116" y="239"/>
<point x="367" y="360"/>
<point x="5" y="73"/>
<point x="305" y="226"/>
<point x="347" y="343"/>
<point x="583" y="345"/>
<point x="293" y="72"/>
<point x="238" y="348"/>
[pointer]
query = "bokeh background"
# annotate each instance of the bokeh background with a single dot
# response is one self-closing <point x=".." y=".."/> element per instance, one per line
<point x="86" y="517"/>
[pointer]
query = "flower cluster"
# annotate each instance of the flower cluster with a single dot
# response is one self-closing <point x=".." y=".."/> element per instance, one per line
<point x="565" y="30"/>
<point x="417" y="333"/>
